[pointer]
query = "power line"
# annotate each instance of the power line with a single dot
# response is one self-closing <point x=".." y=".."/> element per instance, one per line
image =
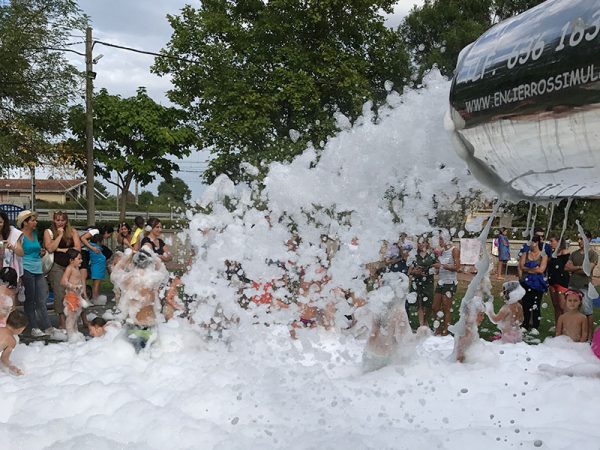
<point x="62" y="50"/>
<point x="145" y="52"/>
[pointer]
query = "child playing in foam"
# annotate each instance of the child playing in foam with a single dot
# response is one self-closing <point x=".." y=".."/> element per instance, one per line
<point x="8" y="286"/>
<point x="15" y="325"/>
<point x="139" y="277"/>
<point x="98" y="326"/>
<point x="466" y="330"/>
<point x="390" y="328"/>
<point x="510" y="316"/>
<point x="572" y="322"/>
<point x="97" y="268"/>
<point x="74" y="299"/>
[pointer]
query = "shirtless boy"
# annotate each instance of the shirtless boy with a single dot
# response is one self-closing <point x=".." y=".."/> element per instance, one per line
<point x="75" y="293"/>
<point x="15" y="325"/>
<point x="572" y="322"/>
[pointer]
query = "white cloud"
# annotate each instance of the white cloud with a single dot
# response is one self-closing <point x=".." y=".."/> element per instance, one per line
<point x="401" y="10"/>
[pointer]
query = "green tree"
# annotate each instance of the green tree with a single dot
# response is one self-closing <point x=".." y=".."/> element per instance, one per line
<point x="101" y="188"/>
<point x="177" y="191"/>
<point x="438" y="30"/>
<point x="37" y="82"/>
<point x="146" y="198"/>
<point x="504" y="9"/>
<point x="262" y="79"/>
<point x="135" y="138"/>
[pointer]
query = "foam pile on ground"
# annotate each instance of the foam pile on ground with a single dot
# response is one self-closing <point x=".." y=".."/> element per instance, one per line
<point x="309" y="393"/>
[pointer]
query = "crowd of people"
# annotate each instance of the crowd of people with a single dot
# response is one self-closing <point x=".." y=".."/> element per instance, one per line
<point x="550" y="267"/>
<point x="431" y="273"/>
<point x="61" y="260"/>
<point x="65" y="259"/>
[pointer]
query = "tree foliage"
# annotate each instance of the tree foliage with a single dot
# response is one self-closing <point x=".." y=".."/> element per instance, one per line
<point x="134" y="137"/>
<point x="586" y="211"/>
<point x="263" y="79"/>
<point x="37" y="82"/>
<point x="146" y="198"/>
<point x="438" y="30"/>
<point x="503" y="9"/>
<point x="176" y="191"/>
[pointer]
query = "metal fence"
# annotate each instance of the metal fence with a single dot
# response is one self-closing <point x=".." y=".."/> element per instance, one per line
<point x="12" y="211"/>
<point x="110" y="216"/>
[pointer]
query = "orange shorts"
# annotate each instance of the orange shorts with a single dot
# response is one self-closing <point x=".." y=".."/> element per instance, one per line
<point x="72" y="301"/>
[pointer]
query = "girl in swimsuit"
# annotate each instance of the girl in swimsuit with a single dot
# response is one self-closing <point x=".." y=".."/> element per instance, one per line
<point x="74" y="299"/>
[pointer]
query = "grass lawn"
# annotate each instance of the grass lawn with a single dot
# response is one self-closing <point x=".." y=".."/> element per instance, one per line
<point x="487" y="328"/>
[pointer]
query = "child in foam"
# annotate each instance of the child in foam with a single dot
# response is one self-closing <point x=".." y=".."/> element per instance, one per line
<point x="390" y="329"/>
<point x="510" y="316"/>
<point x="98" y="326"/>
<point x="8" y="291"/>
<point x="136" y="238"/>
<point x="140" y="276"/>
<point x="74" y="299"/>
<point x="572" y="322"/>
<point x="466" y="330"/>
<point x="97" y="268"/>
<point x="15" y="325"/>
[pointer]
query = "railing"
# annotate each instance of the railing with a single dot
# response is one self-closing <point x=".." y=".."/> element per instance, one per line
<point x="12" y="211"/>
<point x="109" y="216"/>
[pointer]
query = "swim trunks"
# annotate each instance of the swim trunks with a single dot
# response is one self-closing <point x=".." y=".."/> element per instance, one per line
<point x="72" y="301"/>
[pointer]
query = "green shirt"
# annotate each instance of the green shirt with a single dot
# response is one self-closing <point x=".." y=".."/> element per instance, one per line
<point x="425" y="262"/>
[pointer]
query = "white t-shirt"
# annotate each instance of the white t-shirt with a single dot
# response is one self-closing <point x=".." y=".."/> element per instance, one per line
<point x="9" y="259"/>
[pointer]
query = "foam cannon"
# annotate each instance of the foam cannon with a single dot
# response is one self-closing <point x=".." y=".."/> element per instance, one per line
<point x="525" y="102"/>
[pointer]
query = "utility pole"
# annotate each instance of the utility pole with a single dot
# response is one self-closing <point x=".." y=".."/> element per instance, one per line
<point x="32" y="171"/>
<point x="89" y="126"/>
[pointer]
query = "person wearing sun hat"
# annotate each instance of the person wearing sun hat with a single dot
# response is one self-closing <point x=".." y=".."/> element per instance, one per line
<point x="36" y="287"/>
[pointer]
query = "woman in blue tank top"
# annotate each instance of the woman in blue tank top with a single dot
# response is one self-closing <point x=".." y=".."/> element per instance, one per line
<point x="36" y="288"/>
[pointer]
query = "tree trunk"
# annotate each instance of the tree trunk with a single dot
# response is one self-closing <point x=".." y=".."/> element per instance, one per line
<point x="126" y="184"/>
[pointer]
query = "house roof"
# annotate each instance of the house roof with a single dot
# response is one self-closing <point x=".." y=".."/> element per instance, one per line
<point x="55" y="186"/>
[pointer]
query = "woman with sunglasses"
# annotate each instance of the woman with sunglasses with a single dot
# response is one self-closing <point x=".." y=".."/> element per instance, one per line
<point x="58" y="239"/>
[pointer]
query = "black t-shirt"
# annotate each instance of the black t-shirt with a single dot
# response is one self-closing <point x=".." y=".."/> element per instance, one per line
<point x="61" y="258"/>
<point x="556" y="271"/>
<point x="160" y="250"/>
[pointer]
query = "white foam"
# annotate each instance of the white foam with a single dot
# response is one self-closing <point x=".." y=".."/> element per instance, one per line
<point x="257" y="388"/>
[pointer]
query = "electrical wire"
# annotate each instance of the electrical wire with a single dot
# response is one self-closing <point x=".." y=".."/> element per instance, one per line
<point x="145" y="52"/>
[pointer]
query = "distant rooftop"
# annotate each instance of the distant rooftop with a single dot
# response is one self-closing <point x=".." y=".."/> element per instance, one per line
<point x="24" y="185"/>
